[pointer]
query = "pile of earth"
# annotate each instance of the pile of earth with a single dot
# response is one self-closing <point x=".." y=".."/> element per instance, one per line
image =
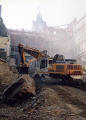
<point x="46" y="105"/>
<point x="51" y="107"/>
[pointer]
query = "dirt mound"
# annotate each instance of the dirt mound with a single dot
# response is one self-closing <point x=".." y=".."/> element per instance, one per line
<point x="50" y="96"/>
<point x="21" y="88"/>
<point x="51" y="107"/>
<point x="6" y="75"/>
<point x="47" y="105"/>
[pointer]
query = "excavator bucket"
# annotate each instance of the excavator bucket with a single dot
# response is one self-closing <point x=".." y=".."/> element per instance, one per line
<point x="22" y="87"/>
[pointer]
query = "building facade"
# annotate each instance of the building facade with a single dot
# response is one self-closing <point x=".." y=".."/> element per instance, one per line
<point x="56" y="36"/>
<point x="0" y="10"/>
<point x="4" y="47"/>
<point x="39" y="25"/>
<point x="80" y="39"/>
<point x="4" y="40"/>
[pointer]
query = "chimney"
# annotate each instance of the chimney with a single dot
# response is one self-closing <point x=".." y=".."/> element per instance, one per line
<point x="0" y="11"/>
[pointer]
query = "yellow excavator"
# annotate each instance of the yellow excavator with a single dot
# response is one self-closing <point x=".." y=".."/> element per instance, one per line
<point x="61" y="66"/>
<point x="39" y="63"/>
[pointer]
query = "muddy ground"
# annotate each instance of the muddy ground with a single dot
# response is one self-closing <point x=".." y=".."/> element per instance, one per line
<point x="53" y="102"/>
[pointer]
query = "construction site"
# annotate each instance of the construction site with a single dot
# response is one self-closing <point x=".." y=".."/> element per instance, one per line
<point x="40" y="77"/>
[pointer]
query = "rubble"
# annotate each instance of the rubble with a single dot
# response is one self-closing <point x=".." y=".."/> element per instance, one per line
<point x="49" y="104"/>
<point x="6" y="75"/>
<point x="16" y="86"/>
<point x="23" y="86"/>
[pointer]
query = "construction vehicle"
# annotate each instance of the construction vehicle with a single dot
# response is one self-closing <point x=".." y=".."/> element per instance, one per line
<point x="64" y="68"/>
<point x="39" y="63"/>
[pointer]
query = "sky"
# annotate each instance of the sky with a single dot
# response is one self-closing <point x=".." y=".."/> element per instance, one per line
<point x="19" y="14"/>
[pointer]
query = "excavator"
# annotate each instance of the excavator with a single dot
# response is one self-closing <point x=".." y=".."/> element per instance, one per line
<point x="40" y="63"/>
<point x="67" y="70"/>
<point x="64" y="67"/>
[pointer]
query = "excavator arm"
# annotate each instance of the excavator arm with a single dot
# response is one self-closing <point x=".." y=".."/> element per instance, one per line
<point x="31" y="51"/>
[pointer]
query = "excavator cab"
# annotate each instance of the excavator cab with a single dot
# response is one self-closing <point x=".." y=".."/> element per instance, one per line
<point x="44" y="63"/>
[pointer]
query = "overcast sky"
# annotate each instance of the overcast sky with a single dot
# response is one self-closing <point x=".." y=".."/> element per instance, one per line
<point x="19" y="14"/>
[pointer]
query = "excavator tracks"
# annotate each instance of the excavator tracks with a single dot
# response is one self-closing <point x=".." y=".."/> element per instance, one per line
<point x="63" y="80"/>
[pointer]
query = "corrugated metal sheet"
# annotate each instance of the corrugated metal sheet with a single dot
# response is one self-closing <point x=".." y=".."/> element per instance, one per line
<point x="4" y="41"/>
